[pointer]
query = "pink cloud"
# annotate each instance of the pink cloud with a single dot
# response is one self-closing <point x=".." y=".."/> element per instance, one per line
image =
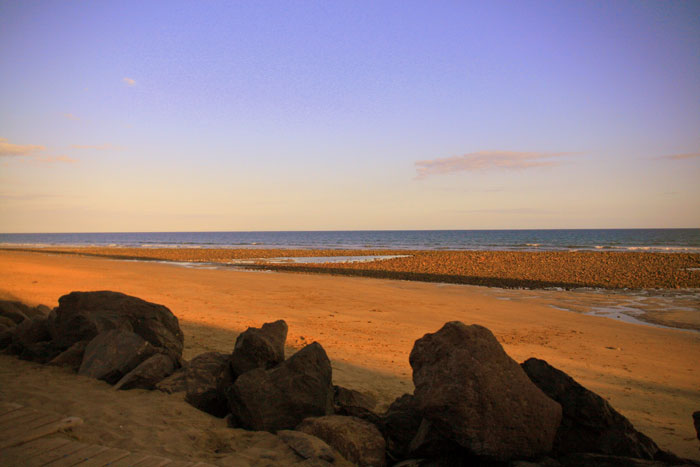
<point x="11" y="149"/>
<point x="482" y="160"/>
<point x="681" y="156"/>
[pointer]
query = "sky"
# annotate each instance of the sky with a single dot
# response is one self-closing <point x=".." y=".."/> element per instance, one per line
<point x="349" y="115"/>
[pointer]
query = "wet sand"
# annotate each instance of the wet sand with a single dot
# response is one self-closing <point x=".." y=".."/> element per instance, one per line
<point x="610" y="270"/>
<point x="367" y="327"/>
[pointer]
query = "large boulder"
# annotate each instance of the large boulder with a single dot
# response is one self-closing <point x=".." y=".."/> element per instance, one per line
<point x="589" y="423"/>
<point x="476" y="395"/>
<point x="259" y="348"/>
<point x="201" y="375"/>
<point x="113" y="354"/>
<point x="84" y="315"/>
<point x="71" y="357"/>
<point x="357" y="440"/>
<point x="149" y="373"/>
<point x="401" y="422"/>
<point x="696" y="422"/>
<point x="280" y="398"/>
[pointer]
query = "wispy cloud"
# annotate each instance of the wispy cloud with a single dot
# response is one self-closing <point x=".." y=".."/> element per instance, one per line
<point x="97" y="147"/>
<point x="70" y="116"/>
<point x="678" y="157"/>
<point x="482" y="160"/>
<point x="55" y="159"/>
<point x="11" y="149"/>
<point x="129" y="81"/>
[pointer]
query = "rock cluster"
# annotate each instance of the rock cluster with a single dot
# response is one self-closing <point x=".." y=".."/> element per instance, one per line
<point x="472" y="404"/>
<point x="105" y="335"/>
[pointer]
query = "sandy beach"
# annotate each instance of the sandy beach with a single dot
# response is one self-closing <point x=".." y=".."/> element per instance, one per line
<point x="367" y="326"/>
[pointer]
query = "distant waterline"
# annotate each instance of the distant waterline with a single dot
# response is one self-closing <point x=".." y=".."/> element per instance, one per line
<point x="656" y="240"/>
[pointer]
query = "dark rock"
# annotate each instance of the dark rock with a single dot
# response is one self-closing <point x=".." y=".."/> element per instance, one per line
<point x="174" y="383"/>
<point x="603" y="460"/>
<point x="476" y="395"/>
<point x="259" y="348"/>
<point x="113" y="354"/>
<point x="84" y="315"/>
<point x="308" y="446"/>
<point x="343" y="397"/>
<point x="541" y="462"/>
<point x="6" y="337"/>
<point x="31" y="341"/>
<point x="280" y="398"/>
<point x="589" y="423"/>
<point x="40" y="352"/>
<point x="149" y="373"/>
<point x="696" y="422"/>
<point x="401" y="422"/>
<point x="362" y="413"/>
<point x="356" y="440"/>
<point x="429" y="443"/>
<point x="71" y="358"/>
<point x="31" y="331"/>
<point x="201" y="377"/>
<point x="13" y="310"/>
<point x="7" y="322"/>
<point x="37" y="312"/>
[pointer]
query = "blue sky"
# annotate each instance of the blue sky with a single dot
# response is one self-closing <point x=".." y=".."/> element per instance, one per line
<point x="136" y="116"/>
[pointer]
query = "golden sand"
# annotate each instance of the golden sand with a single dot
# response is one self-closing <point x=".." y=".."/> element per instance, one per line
<point x="367" y="326"/>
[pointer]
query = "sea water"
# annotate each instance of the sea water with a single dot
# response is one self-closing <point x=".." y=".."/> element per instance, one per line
<point x="657" y="240"/>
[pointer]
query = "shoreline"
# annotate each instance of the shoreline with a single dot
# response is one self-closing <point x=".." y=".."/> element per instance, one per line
<point x="505" y="269"/>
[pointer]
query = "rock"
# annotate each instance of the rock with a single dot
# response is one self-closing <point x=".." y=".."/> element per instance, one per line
<point x="84" y="315"/>
<point x="113" y="354"/>
<point x="14" y="311"/>
<point x="31" y="331"/>
<point x="280" y="398"/>
<point x="259" y="348"/>
<point x="601" y="460"/>
<point x="308" y="446"/>
<point x="356" y="440"/>
<point x="71" y="358"/>
<point x="477" y="396"/>
<point x="696" y="422"/>
<point x="401" y="423"/>
<point x="362" y="413"/>
<point x="149" y="373"/>
<point x="589" y="423"/>
<point x="201" y="377"/>
<point x="343" y="397"/>
<point x="6" y="337"/>
<point x="7" y="322"/>
<point x="173" y="383"/>
<point x="40" y="352"/>
<point x="31" y="341"/>
<point x="428" y="442"/>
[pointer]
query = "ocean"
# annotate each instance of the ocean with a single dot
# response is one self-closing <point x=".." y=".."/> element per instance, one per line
<point x="656" y="240"/>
